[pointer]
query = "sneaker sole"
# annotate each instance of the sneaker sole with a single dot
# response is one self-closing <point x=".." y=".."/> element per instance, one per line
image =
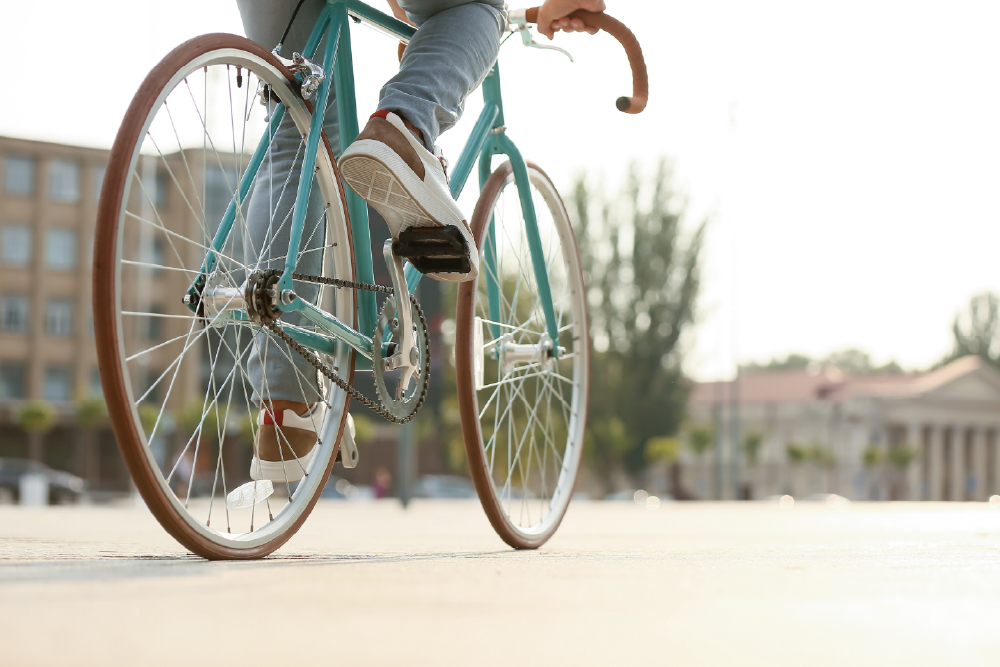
<point x="369" y="174"/>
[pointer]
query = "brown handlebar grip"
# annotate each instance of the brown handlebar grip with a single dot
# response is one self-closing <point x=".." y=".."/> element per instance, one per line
<point x="617" y="29"/>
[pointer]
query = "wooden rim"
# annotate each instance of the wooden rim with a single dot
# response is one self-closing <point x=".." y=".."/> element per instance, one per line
<point x="464" y="365"/>
<point x="105" y="314"/>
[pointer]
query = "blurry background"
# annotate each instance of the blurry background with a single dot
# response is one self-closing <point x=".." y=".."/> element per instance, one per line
<point x="841" y="158"/>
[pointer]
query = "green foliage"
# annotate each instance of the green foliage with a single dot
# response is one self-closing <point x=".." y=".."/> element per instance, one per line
<point x="662" y="449"/>
<point x="606" y="442"/>
<point x="751" y="446"/>
<point x="700" y="438"/>
<point x="206" y="414"/>
<point x="364" y="429"/>
<point x="872" y="456"/>
<point x="901" y="457"/>
<point x="36" y="417"/>
<point x="790" y="363"/>
<point x="148" y="414"/>
<point x="814" y="453"/>
<point x="850" y="360"/>
<point x="976" y="330"/>
<point x="643" y="278"/>
<point x="796" y="453"/>
<point x="91" y="413"/>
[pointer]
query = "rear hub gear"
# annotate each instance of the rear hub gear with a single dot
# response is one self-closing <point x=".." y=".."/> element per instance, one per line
<point x="261" y="303"/>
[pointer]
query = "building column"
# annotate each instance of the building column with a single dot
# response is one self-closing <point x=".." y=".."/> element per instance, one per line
<point x="914" y="472"/>
<point x="993" y="441"/>
<point x="979" y="458"/>
<point x="935" y="459"/>
<point x="957" y="479"/>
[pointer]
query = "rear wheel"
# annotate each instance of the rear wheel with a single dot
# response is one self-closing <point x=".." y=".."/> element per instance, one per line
<point x="183" y="388"/>
<point x="522" y="396"/>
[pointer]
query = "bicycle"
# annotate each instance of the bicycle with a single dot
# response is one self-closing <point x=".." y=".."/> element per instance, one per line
<point x="182" y="300"/>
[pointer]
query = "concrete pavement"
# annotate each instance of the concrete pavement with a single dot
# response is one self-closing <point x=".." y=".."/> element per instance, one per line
<point x="372" y="584"/>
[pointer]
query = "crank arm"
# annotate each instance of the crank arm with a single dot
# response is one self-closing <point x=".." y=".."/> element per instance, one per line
<point x="406" y="358"/>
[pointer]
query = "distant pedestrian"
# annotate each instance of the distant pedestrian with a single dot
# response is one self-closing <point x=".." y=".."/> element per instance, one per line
<point x="383" y="482"/>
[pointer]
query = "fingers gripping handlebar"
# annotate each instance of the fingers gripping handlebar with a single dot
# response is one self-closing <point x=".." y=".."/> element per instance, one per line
<point x="617" y="29"/>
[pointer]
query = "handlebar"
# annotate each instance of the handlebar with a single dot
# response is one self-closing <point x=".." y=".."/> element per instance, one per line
<point x="640" y="81"/>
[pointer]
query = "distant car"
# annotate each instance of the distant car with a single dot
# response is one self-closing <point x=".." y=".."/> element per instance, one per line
<point x="444" y="486"/>
<point x="627" y="494"/>
<point x="63" y="487"/>
<point x="336" y="488"/>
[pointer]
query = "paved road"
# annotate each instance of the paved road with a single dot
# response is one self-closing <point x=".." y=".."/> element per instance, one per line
<point x="372" y="584"/>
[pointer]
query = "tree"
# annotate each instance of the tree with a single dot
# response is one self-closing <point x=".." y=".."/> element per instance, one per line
<point x="644" y="277"/>
<point x="700" y="438"/>
<point x="977" y="329"/>
<point x="37" y="418"/>
<point x="850" y="360"/>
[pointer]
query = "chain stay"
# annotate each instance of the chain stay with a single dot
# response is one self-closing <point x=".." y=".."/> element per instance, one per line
<point x="329" y="372"/>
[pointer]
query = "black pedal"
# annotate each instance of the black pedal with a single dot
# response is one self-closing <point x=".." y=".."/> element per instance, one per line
<point x="434" y="249"/>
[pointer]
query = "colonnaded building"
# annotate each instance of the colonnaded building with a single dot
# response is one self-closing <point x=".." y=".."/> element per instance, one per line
<point x="920" y="436"/>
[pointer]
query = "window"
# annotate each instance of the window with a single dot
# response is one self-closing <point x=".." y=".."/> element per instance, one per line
<point x="16" y="245"/>
<point x="19" y="176"/>
<point x="12" y="380"/>
<point x="14" y="314"/>
<point x="58" y="383"/>
<point x="64" y="181"/>
<point x="96" y="391"/>
<point x="219" y="186"/>
<point x="59" y="318"/>
<point x="60" y="249"/>
<point x="161" y="192"/>
<point x="153" y="252"/>
<point x="98" y="181"/>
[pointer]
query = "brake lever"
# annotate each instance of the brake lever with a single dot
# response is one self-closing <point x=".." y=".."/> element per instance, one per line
<point x="518" y="22"/>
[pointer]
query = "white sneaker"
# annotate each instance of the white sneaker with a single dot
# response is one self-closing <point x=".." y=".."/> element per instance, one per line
<point x="291" y="469"/>
<point x="382" y="178"/>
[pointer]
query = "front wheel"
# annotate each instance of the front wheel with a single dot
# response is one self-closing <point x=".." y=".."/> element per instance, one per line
<point x="183" y="385"/>
<point x="522" y="396"/>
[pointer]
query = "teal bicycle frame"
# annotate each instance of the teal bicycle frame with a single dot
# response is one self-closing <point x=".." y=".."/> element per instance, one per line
<point x="486" y="140"/>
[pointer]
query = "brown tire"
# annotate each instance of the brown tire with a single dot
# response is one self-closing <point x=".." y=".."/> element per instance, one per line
<point x="159" y="201"/>
<point x="524" y="417"/>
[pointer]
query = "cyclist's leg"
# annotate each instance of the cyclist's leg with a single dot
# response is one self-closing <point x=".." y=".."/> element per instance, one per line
<point x="392" y="165"/>
<point x="279" y="376"/>
<point x="447" y="59"/>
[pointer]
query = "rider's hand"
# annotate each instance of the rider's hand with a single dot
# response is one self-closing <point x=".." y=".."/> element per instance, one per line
<point x="552" y="17"/>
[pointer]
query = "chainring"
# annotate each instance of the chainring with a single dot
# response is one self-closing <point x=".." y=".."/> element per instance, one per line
<point x="402" y="403"/>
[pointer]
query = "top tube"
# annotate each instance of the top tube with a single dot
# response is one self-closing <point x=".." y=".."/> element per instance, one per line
<point x="387" y="24"/>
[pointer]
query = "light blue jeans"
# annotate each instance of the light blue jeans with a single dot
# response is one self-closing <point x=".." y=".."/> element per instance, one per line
<point x="446" y="60"/>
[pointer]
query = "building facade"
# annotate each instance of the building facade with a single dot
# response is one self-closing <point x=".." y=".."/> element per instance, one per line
<point x="48" y="210"/>
<point x="922" y="436"/>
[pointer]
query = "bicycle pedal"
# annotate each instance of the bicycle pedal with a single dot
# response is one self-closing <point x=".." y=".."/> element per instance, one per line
<point x="433" y="249"/>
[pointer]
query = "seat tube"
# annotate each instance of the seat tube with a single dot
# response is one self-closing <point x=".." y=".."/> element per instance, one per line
<point x="357" y="209"/>
<point x="309" y="158"/>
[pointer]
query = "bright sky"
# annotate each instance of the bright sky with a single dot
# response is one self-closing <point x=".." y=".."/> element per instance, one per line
<point x="847" y="152"/>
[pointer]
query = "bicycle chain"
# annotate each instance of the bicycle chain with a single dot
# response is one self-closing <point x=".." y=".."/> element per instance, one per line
<point x="332" y="374"/>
